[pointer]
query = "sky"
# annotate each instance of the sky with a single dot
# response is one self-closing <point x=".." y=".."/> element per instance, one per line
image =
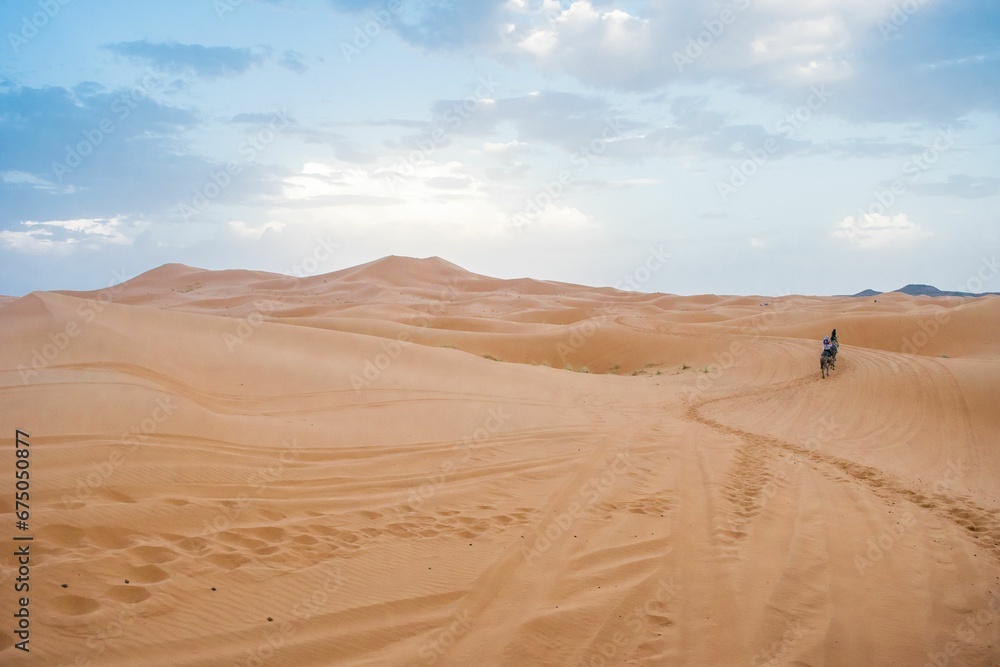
<point x="682" y="146"/>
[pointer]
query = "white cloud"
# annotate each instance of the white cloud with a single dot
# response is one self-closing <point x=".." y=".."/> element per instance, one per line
<point x="785" y="42"/>
<point x="421" y="201"/>
<point x="404" y="180"/>
<point x="540" y="43"/>
<point x="875" y="230"/>
<point x="806" y="39"/>
<point x="24" y="178"/>
<point x="249" y="232"/>
<point x="563" y="219"/>
<point x="35" y="240"/>
<point x="62" y="236"/>
<point x="504" y="147"/>
<point x="423" y="194"/>
<point x="632" y="183"/>
<point x="317" y="168"/>
<point x="108" y="230"/>
<point x="605" y="46"/>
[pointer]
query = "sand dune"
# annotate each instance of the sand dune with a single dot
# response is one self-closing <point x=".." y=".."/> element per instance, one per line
<point x="405" y="463"/>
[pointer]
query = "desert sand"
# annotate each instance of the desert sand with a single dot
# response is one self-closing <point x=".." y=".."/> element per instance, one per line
<point x="405" y="463"/>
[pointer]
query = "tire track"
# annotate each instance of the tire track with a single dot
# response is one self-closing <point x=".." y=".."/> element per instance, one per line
<point x="980" y="524"/>
<point x="486" y="596"/>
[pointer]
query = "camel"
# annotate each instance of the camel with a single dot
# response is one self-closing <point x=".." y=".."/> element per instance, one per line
<point x="826" y="364"/>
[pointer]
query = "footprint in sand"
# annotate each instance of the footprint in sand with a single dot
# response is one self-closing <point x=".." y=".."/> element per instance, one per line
<point x="269" y="551"/>
<point x="128" y="594"/>
<point x="74" y="605"/>
<point x="62" y="535"/>
<point x="153" y="554"/>
<point x="107" y="538"/>
<point x="228" y="561"/>
<point x="194" y="545"/>
<point x="270" y="534"/>
<point x="147" y="574"/>
<point x="239" y="540"/>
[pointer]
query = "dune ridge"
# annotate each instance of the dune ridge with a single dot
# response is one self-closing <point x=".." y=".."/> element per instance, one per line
<point x="405" y="463"/>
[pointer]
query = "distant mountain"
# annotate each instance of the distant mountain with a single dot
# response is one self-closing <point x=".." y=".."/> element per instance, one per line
<point x="927" y="290"/>
<point x="916" y="289"/>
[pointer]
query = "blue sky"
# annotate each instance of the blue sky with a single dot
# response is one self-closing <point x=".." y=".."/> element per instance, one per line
<point x="765" y="146"/>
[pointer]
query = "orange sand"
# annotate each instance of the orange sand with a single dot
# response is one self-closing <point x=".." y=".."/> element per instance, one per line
<point x="392" y="465"/>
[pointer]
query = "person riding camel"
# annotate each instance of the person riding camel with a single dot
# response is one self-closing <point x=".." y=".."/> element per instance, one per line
<point x="827" y="348"/>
